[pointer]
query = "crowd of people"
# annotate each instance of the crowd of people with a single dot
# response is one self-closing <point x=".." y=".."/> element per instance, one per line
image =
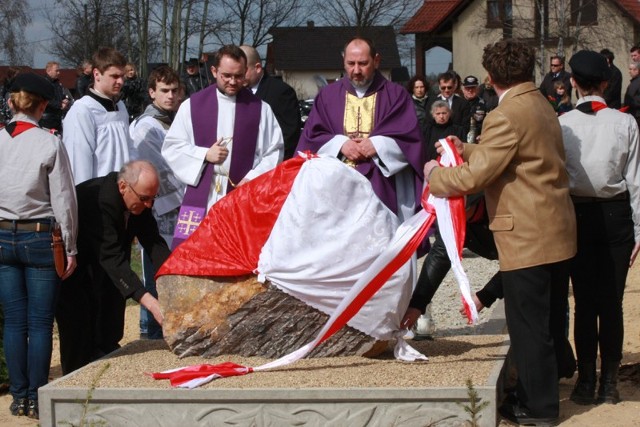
<point x="145" y="159"/>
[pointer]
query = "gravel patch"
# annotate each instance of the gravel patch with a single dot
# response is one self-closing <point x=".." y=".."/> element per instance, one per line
<point x="459" y="352"/>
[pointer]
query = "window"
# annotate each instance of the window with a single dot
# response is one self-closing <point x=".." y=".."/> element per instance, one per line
<point x="500" y="15"/>
<point x="541" y="28"/>
<point x="586" y="10"/>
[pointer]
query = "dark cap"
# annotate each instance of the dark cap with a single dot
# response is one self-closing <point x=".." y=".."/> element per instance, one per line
<point x="590" y="65"/>
<point x="33" y="83"/>
<point x="192" y="62"/>
<point x="470" y="81"/>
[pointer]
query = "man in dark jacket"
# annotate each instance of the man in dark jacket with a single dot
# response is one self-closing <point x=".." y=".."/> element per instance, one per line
<point x="557" y="73"/>
<point x="52" y="117"/>
<point x="85" y="79"/>
<point x="613" y="91"/>
<point x="193" y="79"/>
<point x="460" y="108"/>
<point x="632" y="95"/>
<point x="280" y="96"/>
<point x="112" y="211"/>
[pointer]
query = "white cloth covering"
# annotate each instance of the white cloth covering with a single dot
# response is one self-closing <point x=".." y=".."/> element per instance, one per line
<point x="188" y="160"/>
<point x="391" y="161"/>
<point x="331" y="202"/>
<point x="97" y="141"/>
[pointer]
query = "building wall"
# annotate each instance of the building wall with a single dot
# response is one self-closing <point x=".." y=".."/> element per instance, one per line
<point x="614" y="31"/>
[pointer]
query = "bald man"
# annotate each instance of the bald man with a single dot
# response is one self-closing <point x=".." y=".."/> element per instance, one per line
<point x="280" y="96"/>
<point x="370" y="123"/>
<point x="112" y="211"/>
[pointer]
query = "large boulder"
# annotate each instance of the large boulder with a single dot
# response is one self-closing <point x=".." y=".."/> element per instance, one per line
<point x="207" y="317"/>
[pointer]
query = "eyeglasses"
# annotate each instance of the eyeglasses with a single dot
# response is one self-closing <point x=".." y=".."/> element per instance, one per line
<point x="446" y="87"/>
<point x="143" y="199"/>
<point x="229" y="77"/>
<point x="556" y="65"/>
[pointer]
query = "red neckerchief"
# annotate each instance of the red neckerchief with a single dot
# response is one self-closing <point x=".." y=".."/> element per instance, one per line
<point x="17" y="127"/>
<point x="591" y="106"/>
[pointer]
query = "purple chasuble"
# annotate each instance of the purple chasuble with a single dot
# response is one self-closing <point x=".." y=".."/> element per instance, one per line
<point x="204" y="120"/>
<point x="395" y="117"/>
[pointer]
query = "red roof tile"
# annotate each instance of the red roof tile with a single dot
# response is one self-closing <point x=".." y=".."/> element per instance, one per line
<point x="430" y="16"/>
<point x="631" y="7"/>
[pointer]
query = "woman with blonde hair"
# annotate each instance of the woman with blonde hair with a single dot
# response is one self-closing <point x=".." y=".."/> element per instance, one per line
<point x="37" y="197"/>
<point x="561" y="100"/>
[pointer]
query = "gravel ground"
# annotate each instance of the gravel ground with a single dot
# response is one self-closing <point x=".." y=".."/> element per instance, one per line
<point x="446" y="302"/>
<point x="455" y="355"/>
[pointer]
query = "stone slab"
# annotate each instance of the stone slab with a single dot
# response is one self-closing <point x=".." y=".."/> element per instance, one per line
<point x="64" y="405"/>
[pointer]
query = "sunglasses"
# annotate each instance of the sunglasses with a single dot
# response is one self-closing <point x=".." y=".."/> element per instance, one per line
<point x="446" y="87"/>
<point x="143" y="199"/>
<point x="556" y="65"/>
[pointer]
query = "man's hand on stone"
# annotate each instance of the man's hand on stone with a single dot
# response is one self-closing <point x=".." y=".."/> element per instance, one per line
<point x="216" y="153"/>
<point x="151" y="303"/>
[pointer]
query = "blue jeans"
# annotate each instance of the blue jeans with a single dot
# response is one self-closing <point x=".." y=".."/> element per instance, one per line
<point x="29" y="288"/>
<point x="148" y="324"/>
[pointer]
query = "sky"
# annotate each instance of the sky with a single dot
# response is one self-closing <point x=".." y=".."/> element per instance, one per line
<point x="39" y="36"/>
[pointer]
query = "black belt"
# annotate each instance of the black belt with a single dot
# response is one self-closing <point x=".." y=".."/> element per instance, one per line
<point x="18" y="225"/>
<point x="616" y="198"/>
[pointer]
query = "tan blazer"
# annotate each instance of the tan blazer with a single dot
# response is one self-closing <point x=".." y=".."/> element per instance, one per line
<point x="520" y="164"/>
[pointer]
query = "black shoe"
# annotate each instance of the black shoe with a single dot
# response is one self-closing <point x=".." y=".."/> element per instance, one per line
<point x="584" y="391"/>
<point x="18" y="407"/>
<point x="32" y="409"/>
<point x="519" y="415"/>
<point x="608" y="390"/>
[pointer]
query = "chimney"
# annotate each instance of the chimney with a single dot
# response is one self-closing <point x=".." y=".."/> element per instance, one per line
<point x="310" y="24"/>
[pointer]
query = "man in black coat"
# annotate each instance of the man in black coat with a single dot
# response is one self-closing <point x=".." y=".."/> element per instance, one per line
<point x="193" y="78"/>
<point x="112" y="211"/>
<point x="613" y="91"/>
<point x="52" y="117"/>
<point x="557" y="73"/>
<point x="460" y="108"/>
<point x="280" y="96"/>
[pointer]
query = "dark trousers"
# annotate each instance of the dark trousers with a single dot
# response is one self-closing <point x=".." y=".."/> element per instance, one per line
<point x="90" y="317"/>
<point x="535" y="301"/>
<point x="598" y="274"/>
<point x="436" y="265"/>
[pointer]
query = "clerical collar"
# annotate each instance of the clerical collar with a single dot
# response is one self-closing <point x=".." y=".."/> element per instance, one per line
<point x="361" y="91"/>
<point x="109" y="104"/>
<point x="224" y="95"/>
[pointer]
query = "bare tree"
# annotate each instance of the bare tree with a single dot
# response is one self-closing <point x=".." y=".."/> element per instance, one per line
<point x="80" y="27"/>
<point x="367" y="13"/>
<point x="14" y="18"/>
<point x="249" y="21"/>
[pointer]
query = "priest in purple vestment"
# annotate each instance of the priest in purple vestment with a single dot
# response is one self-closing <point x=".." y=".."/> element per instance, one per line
<point x="370" y="123"/>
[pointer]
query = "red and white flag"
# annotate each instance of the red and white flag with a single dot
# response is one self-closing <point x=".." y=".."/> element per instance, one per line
<point x="243" y="234"/>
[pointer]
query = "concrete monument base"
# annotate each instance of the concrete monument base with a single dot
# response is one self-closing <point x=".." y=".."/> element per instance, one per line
<point x="104" y="398"/>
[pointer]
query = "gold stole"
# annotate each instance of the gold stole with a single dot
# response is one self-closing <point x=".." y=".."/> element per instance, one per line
<point x="359" y="116"/>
